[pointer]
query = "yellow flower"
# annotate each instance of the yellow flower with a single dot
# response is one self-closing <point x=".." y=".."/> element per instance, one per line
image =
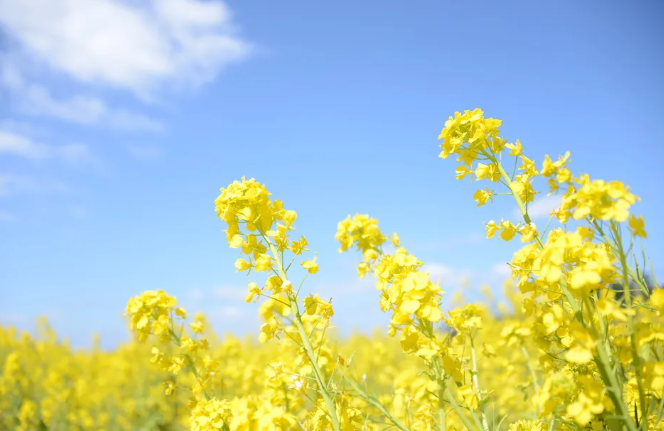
<point x="489" y="172"/>
<point x="598" y="199"/>
<point x="469" y="396"/>
<point x="590" y="401"/>
<point x="236" y="241"/>
<point x="360" y="230"/>
<point x="156" y="355"/>
<point x="243" y="265"/>
<point x="299" y="246"/>
<point x="197" y="327"/>
<point x="483" y="196"/>
<point x="563" y="175"/>
<point x="550" y="168"/>
<point x="264" y="262"/>
<point x="516" y="149"/>
<point x="287" y="287"/>
<point x="310" y="265"/>
<point x="528" y="425"/>
<point x="528" y="167"/>
<point x="465" y="319"/>
<point x="210" y="415"/>
<point x="394" y="239"/>
<point x="528" y="232"/>
<point x="150" y="313"/>
<point x="269" y="331"/>
<point x="462" y="171"/>
<point x="491" y="229"/>
<point x="254" y="292"/>
<point x="170" y="388"/>
<point x="299" y="384"/>
<point x="469" y="133"/>
<point x="274" y="284"/>
<point x="579" y="355"/>
<point x="314" y="305"/>
<point x="637" y="226"/>
<point x="507" y="230"/>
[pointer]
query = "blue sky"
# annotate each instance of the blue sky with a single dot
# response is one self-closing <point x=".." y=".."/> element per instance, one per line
<point x="121" y="120"/>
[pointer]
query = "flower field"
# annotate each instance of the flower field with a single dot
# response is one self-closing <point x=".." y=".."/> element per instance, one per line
<point x="578" y="345"/>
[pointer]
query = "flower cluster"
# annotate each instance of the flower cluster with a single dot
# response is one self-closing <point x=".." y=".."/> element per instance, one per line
<point x="151" y="313"/>
<point x="250" y="214"/>
<point x="586" y="300"/>
<point x="577" y="344"/>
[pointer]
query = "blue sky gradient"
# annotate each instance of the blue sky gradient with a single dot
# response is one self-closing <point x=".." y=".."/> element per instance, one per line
<point x="336" y="107"/>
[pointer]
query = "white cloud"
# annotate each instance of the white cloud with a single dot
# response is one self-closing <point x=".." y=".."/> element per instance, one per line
<point x="501" y="271"/>
<point x="22" y="146"/>
<point x="447" y="243"/>
<point x="230" y="292"/>
<point x="231" y="312"/>
<point x="37" y="100"/>
<point x="541" y="208"/>
<point x="19" y="145"/>
<point x="10" y="76"/>
<point x="12" y="184"/>
<point x="227" y="293"/>
<point x="75" y="153"/>
<point x="196" y="295"/>
<point x="15" y="319"/>
<point x="139" y="47"/>
<point x="24" y="128"/>
<point x="447" y="275"/>
<point x="339" y="289"/>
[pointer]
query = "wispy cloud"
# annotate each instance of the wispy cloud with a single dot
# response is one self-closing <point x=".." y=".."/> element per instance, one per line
<point x="226" y="292"/>
<point x="37" y="100"/>
<point x="447" y="243"/>
<point x="18" y="145"/>
<point x="25" y="128"/>
<point x="501" y="270"/>
<point x="229" y="292"/>
<point x="87" y="110"/>
<point x="354" y="286"/>
<point x="138" y="47"/>
<point x="15" y="319"/>
<point x="14" y="184"/>
<point x="103" y="63"/>
<point x="447" y="275"/>
<point x="222" y="305"/>
<point x="232" y="312"/>
<point x="22" y="146"/>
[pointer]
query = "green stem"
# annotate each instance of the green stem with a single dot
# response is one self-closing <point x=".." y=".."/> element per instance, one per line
<point x="444" y="393"/>
<point x="192" y="364"/>
<point x="529" y="363"/>
<point x="476" y="383"/>
<point x="604" y="366"/>
<point x="601" y="358"/>
<point x="442" y="415"/>
<point x="636" y="359"/>
<point x="306" y="343"/>
<point x="526" y="218"/>
<point x="377" y="404"/>
<point x="449" y="397"/>
<point x="634" y="277"/>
